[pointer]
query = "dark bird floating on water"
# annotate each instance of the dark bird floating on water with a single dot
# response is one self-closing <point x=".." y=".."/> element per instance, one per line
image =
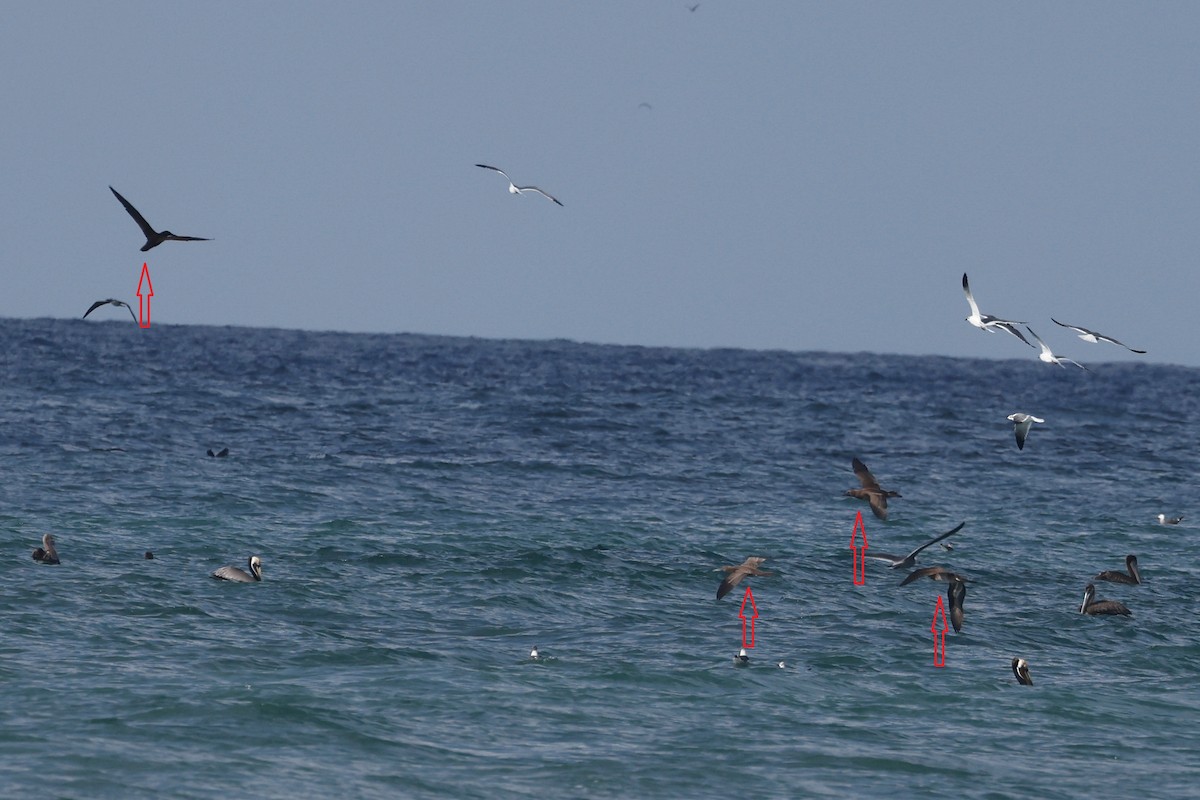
<point x="871" y="490"/>
<point x="47" y="553"/>
<point x="1020" y="668"/>
<point x="514" y="189"/>
<point x="749" y="567"/>
<point x="110" y="301"/>
<point x="904" y="562"/>
<point x="238" y="575"/>
<point x="1095" y="607"/>
<point x="153" y="237"/>
<point x="224" y="452"/>
<point x="1093" y="337"/>
<point x="1133" y="576"/>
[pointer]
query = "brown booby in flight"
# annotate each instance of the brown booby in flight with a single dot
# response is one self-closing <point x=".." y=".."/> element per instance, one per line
<point x="871" y="490"/>
<point x="153" y="237"/>
<point x="734" y="575"/>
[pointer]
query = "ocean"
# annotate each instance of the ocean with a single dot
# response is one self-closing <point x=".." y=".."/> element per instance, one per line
<point x="428" y="509"/>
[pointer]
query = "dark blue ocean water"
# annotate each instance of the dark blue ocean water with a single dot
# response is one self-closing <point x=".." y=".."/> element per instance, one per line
<point x="427" y="509"/>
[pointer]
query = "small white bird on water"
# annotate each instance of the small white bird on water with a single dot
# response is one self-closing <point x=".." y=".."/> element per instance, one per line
<point x="514" y="189"/>
<point x="1163" y="519"/>
<point x="1048" y="356"/>
<point x="742" y="659"/>
<point x="1021" y="425"/>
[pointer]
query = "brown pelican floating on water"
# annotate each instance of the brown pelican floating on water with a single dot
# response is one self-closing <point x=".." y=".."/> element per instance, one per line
<point x="1021" y="669"/>
<point x="934" y="574"/>
<point x="904" y="562"/>
<point x="735" y="574"/>
<point x="46" y="554"/>
<point x="238" y="575"/>
<point x="153" y="237"/>
<point x="871" y="490"/>
<point x="1133" y="577"/>
<point x="1093" y="337"/>
<point x="514" y="189"/>
<point x="1095" y="607"/>
<point x="110" y="301"/>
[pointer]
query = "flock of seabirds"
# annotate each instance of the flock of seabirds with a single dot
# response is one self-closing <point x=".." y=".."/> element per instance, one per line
<point x="870" y="490"/>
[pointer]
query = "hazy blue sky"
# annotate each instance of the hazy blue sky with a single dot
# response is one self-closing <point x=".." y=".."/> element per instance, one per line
<point x="810" y="175"/>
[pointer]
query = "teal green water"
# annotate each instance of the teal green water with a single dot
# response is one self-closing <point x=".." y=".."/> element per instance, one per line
<point x="428" y="509"/>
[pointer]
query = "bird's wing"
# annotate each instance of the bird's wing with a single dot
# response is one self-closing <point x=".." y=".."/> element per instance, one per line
<point x="1073" y="327"/>
<point x="133" y="212"/>
<point x="970" y="299"/>
<point x="94" y="306"/>
<point x="495" y="169"/>
<point x="539" y="191"/>
<point x="1008" y="327"/>
<point x="863" y="474"/>
<point x="173" y="237"/>
<point x="938" y="539"/>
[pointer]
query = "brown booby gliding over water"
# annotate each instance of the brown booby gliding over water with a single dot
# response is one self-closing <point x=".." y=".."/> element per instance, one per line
<point x="153" y="237"/>
<point x="1095" y="607"/>
<point x="238" y="575"/>
<point x="47" y="553"/>
<point x="1133" y="577"/>
<point x="1020" y="668"/>
<point x="110" y="301"/>
<point x="904" y="562"/>
<point x="871" y="491"/>
<point x="514" y="189"/>
<point x="735" y="574"/>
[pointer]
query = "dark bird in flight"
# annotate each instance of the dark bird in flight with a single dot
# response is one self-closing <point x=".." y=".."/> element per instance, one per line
<point x="870" y="491"/>
<point x="904" y="562"/>
<point x="735" y="574"/>
<point x="110" y="301"/>
<point x="514" y="189"/>
<point x="153" y="237"/>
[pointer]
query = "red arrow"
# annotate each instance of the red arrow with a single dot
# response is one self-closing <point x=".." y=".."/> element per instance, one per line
<point x="939" y="637"/>
<point x="749" y="598"/>
<point x="860" y="552"/>
<point x="144" y="302"/>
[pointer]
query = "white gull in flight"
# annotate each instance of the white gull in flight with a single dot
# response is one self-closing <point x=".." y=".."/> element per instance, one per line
<point x="986" y="322"/>
<point x="1021" y="425"/>
<point x="514" y="189"/>
<point x="1048" y="356"/>
<point x="1093" y="336"/>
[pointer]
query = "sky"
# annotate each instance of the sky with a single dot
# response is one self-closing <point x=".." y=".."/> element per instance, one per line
<point x="808" y="176"/>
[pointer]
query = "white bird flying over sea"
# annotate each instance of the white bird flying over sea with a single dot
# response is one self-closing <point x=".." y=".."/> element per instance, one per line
<point x="1021" y="425"/>
<point x="1093" y="336"/>
<point x="986" y="322"/>
<point x="1048" y="356"/>
<point x="514" y="189"/>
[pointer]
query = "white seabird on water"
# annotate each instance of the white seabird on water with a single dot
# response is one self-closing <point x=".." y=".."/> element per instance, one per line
<point x="986" y="322"/>
<point x="239" y="575"/>
<point x="1021" y="425"/>
<point x="1093" y="336"/>
<point x="534" y="655"/>
<point x="1163" y="519"/>
<point x="742" y="659"/>
<point x="110" y="301"/>
<point x="514" y="189"/>
<point x="1048" y="356"/>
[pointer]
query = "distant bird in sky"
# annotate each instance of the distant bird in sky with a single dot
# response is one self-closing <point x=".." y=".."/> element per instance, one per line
<point x="1021" y="425"/>
<point x="693" y="8"/>
<point x="871" y="490"/>
<point x="904" y="562"/>
<point x="110" y="301"/>
<point x="1093" y="337"/>
<point x="514" y="189"/>
<point x="987" y="322"/>
<point x="153" y="237"/>
<point x="646" y="106"/>
<point x="1048" y="356"/>
<point x="1163" y="519"/>
<point x="734" y="575"/>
